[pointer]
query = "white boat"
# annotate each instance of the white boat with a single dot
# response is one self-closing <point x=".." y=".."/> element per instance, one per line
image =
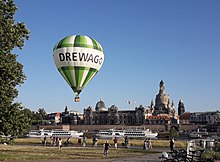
<point x="194" y="135"/>
<point x="130" y="133"/>
<point x="140" y="133"/>
<point x="54" y="133"/>
<point x="198" y="133"/>
<point x="111" y="133"/>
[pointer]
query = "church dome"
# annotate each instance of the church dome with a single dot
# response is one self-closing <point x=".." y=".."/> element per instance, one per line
<point x="100" y="106"/>
<point x="162" y="98"/>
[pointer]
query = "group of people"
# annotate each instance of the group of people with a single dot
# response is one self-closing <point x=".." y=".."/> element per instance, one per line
<point x="147" y="144"/>
<point x="82" y="141"/>
<point x="55" y="141"/>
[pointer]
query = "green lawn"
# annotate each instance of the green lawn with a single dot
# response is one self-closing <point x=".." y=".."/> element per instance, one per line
<point x="31" y="148"/>
<point x="17" y="152"/>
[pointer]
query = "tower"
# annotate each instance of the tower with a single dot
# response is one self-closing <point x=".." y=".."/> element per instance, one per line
<point x="162" y="100"/>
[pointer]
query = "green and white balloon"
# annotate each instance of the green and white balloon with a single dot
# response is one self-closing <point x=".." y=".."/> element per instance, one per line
<point x="78" y="58"/>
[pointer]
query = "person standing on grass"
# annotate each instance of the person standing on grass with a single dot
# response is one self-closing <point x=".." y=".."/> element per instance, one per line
<point x="145" y="147"/>
<point x="95" y="140"/>
<point x="171" y="144"/>
<point x="84" y="140"/>
<point x="45" y="141"/>
<point x="79" y="142"/>
<point x="106" y="148"/>
<point x="57" y="141"/>
<point x="126" y="142"/>
<point x="53" y="141"/>
<point x="60" y="144"/>
<point x="115" y="142"/>
<point x="149" y="144"/>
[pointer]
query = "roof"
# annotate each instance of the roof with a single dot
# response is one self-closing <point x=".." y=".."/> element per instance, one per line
<point x="100" y="106"/>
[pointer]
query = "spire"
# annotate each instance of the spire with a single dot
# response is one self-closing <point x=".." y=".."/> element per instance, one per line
<point x="172" y="104"/>
<point x="181" y="108"/>
<point x="162" y="86"/>
<point x="161" y="82"/>
<point x="152" y="102"/>
<point x="66" y="110"/>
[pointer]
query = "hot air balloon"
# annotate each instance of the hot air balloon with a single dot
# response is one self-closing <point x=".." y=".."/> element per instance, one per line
<point x="78" y="58"/>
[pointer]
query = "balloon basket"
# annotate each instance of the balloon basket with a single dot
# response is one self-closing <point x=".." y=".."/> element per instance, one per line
<point x="77" y="99"/>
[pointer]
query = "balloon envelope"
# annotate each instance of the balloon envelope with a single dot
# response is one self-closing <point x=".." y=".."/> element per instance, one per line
<point x="78" y="58"/>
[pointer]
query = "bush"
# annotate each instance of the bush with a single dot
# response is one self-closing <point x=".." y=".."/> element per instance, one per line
<point x="211" y="154"/>
<point x="217" y="147"/>
<point x="9" y="141"/>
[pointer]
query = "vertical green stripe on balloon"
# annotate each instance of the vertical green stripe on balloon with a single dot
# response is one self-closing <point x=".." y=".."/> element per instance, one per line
<point x="77" y="41"/>
<point x="89" y="76"/>
<point x="81" y="41"/>
<point x="66" y="72"/>
<point x="94" y="44"/>
<point x="65" y="42"/>
<point x="79" y="74"/>
<point x="84" y="76"/>
<point x="60" y="44"/>
<point x="64" y="76"/>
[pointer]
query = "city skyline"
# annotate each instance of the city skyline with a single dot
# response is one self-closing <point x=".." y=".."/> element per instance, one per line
<point x="143" y="42"/>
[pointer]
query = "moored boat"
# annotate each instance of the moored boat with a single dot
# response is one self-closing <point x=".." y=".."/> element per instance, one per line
<point x="198" y="133"/>
<point x="139" y="133"/>
<point x="54" y="133"/>
<point x="110" y="134"/>
<point x="130" y="133"/>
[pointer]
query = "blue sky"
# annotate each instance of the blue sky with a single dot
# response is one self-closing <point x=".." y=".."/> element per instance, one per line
<point x="144" y="41"/>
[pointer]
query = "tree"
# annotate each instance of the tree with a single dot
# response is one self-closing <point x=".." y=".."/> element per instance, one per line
<point x="39" y="117"/>
<point x="42" y="113"/>
<point x="12" y="119"/>
<point x="173" y="132"/>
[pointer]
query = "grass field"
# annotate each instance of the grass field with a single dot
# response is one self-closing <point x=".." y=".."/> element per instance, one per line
<point x="16" y="152"/>
<point x="31" y="149"/>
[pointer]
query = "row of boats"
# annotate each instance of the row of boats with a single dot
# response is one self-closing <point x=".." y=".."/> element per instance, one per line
<point x="102" y="134"/>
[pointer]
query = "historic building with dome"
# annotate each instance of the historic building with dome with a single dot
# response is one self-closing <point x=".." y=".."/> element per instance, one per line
<point x="162" y="102"/>
<point x="162" y="112"/>
<point x="113" y="116"/>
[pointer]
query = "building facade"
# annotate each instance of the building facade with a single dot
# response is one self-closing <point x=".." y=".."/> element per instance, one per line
<point x="207" y="118"/>
<point x="162" y="112"/>
<point x="113" y="116"/>
<point x="71" y="117"/>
